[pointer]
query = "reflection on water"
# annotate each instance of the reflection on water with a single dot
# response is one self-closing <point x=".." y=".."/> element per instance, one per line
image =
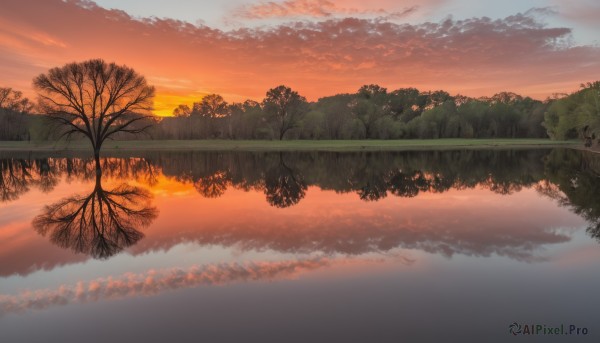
<point x="101" y="223"/>
<point x="288" y="213"/>
<point x="574" y="180"/>
<point x="284" y="177"/>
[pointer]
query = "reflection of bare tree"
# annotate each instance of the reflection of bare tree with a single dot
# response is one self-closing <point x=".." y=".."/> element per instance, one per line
<point x="284" y="186"/>
<point x="100" y="224"/>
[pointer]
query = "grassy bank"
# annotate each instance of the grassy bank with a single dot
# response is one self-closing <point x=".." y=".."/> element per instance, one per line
<point x="296" y="145"/>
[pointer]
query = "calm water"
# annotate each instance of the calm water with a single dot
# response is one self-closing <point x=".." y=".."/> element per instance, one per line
<point x="299" y="247"/>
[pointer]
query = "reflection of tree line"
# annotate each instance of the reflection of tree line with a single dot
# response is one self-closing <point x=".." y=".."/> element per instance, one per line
<point x="284" y="177"/>
<point x="573" y="179"/>
<point x="103" y="222"/>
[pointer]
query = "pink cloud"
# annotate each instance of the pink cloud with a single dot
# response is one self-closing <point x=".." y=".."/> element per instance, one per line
<point x="314" y="8"/>
<point x="154" y="282"/>
<point x="582" y="11"/>
<point x="475" y="57"/>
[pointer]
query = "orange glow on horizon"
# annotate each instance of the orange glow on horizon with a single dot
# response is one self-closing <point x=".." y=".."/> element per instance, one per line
<point x="166" y="101"/>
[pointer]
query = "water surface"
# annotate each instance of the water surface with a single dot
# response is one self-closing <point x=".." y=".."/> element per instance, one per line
<point x="349" y="247"/>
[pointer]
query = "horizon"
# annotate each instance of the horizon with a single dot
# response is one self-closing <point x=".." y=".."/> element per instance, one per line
<point x="319" y="48"/>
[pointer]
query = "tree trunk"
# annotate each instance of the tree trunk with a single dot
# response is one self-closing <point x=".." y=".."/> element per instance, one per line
<point x="97" y="160"/>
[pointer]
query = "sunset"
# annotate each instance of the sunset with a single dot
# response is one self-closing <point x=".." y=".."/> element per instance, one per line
<point x="299" y="171"/>
<point x="239" y="49"/>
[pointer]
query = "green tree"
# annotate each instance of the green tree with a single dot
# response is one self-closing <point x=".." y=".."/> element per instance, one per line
<point x="575" y="115"/>
<point x="370" y="105"/>
<point x="285" y="107"/>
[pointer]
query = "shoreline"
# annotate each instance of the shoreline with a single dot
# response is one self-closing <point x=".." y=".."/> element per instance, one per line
<point x="291" y="145"/>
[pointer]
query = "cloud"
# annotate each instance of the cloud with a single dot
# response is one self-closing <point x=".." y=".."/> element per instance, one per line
<point x="585" y="12"/>
<point x="477" y="56"/>
<point x="154" y="282"/>
<point x="312" y="8"/>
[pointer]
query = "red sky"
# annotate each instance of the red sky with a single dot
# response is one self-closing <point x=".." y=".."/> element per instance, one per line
<point x="325" y="56"/>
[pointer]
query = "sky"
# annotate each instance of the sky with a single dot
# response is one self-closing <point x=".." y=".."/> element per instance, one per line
<point x="241" y="48"/>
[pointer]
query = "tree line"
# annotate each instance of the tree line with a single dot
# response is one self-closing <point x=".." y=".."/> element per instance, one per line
<point x="576" y="115"/>
<point x="100" y="101"/>
<point x="372" y="112"/>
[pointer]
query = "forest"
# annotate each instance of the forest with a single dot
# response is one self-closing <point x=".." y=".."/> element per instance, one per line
<point x="372" y="112"/>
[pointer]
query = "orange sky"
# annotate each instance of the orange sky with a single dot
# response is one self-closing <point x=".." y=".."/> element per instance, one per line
<point x="475" y="57"/>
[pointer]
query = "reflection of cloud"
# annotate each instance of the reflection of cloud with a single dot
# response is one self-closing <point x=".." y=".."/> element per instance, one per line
<point x="465" y="222"/>
<point x="154" y="282"/>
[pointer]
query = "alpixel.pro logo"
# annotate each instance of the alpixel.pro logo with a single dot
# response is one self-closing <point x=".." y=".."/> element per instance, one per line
<point x="516" y="329"/>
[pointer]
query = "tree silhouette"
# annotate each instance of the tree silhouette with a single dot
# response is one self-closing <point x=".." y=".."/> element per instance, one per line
<point x="100" y="224"/>
<point x="284" y="186"/>
<point x="13" y="100"/>
<point x="95" y="99"/>
<point x="211" y="106"/>
<point x="182" y="111"/>
<point x="286" y="106"/>
<point x="214" y="185"/>
<point x="15" y="178"/>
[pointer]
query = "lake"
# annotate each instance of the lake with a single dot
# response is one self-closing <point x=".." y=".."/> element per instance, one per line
<point x="459" y="245"/>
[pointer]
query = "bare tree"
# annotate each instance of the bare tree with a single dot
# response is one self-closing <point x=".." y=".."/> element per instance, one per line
<point x="95" y="99"/>
<point x="14" y="101"/>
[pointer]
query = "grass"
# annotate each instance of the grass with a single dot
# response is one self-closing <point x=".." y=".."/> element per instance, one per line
<point x="292" y="145"/>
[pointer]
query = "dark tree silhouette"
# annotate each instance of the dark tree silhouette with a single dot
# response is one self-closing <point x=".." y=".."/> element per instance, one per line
<point x="14" y="101"/>
<point x="403" y="184"/>
<point x="100" y="224"/>
<point x="286" y="106"/>
<point x="182" y="111"/>
<point x="284" y="186"/>
<point x="95" y="99"/>
<point x="15" y="178"/>
<point x="214" y="185"/>
<point x="211" y="106"/>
